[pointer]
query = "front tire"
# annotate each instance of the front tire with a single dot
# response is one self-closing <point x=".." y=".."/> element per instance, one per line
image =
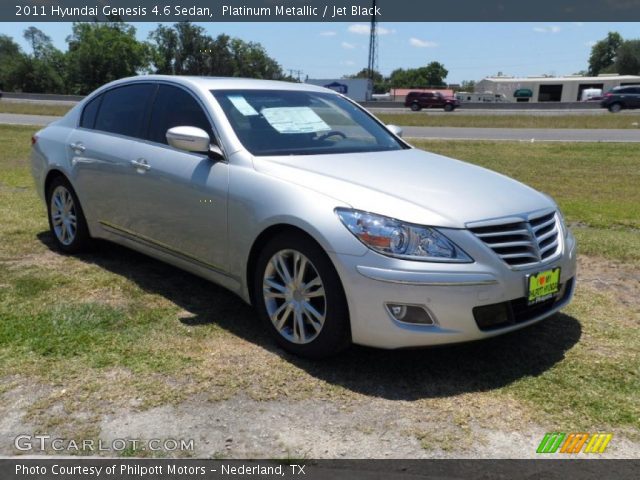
<point x="299" y="297"/>
<point x="615" y="107"/>
<point x="415" y="107"/>
<point x="66" y="219"/>
<point x="448" y="108"/>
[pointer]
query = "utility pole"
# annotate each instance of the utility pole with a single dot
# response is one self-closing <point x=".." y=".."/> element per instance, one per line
<point x="373" y="44"/>
<point x="293" y="73"/>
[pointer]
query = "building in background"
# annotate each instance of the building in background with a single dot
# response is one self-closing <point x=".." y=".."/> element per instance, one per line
<point x="551" y="89"/>
<point x="357" y="89"/>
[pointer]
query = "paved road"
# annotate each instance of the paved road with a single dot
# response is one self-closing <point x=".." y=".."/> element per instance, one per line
<point x="20" y="119"/>
<point x="524" y="134"/>
<point x="457" y="133"/>
<point x="486" y="111"/>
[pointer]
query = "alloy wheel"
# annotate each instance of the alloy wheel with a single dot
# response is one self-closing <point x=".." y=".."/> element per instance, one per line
<point x="294" y="296"/>
<point x="63" y="215"/>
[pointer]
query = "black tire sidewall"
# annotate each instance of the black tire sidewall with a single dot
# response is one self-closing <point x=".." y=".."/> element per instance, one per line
<point x="415" y="107"/>
<point x="82" y="238"/>
<point x="615" y="107"/>
<point x="336" y="334"/>
<point x="449" y="108"/>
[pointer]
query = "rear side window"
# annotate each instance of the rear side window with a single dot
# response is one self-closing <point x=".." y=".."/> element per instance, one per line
<point x="174" y="107"/>
<point x="123" y="109"/>
<point x="89" y="113"/>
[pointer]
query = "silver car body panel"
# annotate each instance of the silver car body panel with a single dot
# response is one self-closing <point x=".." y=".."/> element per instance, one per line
<point x="205" y="216"/>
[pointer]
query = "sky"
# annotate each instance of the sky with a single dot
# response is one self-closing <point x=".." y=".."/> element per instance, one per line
<point x="470" y="51"/>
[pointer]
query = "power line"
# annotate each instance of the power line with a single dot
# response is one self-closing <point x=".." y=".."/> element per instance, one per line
<point x="294" y="72"/>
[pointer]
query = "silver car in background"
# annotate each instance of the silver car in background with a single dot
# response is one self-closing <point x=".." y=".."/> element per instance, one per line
<point x="306" y="206"/>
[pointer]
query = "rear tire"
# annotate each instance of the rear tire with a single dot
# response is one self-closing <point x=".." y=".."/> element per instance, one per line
<point x="299" y="297"/>
<point x="66" y="219"/>
<point x="415" y="107"/>
<point x="448" y="108"/>
<point x="615" y="107"/>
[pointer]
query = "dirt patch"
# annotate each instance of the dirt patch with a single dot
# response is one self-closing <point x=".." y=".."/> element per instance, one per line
<point x="619" y="281"/>
<point x="46" y="259"/>
<point x="244" y="428"/>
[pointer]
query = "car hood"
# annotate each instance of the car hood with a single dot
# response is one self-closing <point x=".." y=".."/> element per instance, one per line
<point x="410" y="185"/>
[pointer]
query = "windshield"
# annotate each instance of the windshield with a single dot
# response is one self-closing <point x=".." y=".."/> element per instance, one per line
<point x="282" y="122"/>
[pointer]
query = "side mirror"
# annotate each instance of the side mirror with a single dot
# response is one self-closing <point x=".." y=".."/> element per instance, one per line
<point x="191" y="139"/>
<point x="397" y="131"/>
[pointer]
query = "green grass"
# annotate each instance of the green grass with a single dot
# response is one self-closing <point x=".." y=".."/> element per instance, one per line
<point x="112" y="330"/>
<point x="459" y="119"/>
<point x="595" y="185"/>
<point x="33" y="108"/>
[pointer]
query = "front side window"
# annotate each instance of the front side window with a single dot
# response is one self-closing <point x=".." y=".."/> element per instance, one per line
<point x="174" y="107"/>
<point x="123" y="109"/>
<point x="283" y="122"/>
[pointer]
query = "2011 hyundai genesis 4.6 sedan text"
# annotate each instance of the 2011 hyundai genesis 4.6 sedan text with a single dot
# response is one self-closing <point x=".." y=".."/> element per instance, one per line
<point x="306" y="206"/>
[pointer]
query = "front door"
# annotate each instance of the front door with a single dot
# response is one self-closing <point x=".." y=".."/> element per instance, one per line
<point x="178" y="199"/>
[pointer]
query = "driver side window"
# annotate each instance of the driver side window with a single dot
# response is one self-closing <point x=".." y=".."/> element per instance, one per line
<point x="174" y="107"/>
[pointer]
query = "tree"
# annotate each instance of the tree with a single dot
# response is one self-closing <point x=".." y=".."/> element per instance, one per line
<point x="102" y="52"/>
<point x="628" y="58"/>
<point x="43" y="70"/>
<point x="432" y="75"/>
<point x="364" y="73"/>
<point x="468" y="86"/>
<point x="380" y="83"/>
<point x="185" y="49"/>
<point x="251" y="60"/>
<point x="39" y="41"/>
<point x="603" y="53"/>
<point x="10" y="58"/>
<point x="435" y="74"/>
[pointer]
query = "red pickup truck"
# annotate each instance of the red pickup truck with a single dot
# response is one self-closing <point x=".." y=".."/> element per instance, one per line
<point x="419" y="100"/>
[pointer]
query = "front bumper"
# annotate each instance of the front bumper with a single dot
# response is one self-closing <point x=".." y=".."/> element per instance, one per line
<point x="448" y="292"/>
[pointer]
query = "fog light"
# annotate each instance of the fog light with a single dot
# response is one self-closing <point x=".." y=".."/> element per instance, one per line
<point x="409" y="314"/>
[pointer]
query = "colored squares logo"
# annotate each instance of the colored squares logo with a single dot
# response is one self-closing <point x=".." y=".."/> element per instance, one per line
<point x="574" y="443"/>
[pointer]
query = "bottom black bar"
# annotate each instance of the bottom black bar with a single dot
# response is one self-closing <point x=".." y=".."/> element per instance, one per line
<point x="161" y="469"/>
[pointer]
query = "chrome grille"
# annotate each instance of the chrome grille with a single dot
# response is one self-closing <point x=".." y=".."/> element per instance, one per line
<point x="522" y="242"/>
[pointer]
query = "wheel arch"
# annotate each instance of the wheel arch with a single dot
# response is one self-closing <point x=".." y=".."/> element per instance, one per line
<point x="263" y="238"/>
<point x="50" y="176"/>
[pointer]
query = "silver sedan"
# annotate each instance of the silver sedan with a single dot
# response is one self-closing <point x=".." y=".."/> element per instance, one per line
<point x="299" y="201"/>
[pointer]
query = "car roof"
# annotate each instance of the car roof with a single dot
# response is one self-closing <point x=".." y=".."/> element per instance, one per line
<point x="225" y="83"/>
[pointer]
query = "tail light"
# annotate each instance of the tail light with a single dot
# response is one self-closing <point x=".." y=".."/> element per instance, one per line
<point x="34" y="139"/>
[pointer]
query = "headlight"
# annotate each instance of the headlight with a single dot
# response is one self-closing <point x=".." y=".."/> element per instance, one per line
<point x="397" y="239"/>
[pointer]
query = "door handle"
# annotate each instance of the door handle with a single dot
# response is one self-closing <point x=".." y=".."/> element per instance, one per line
<point x="78" y="147"/>
<point x="140" y="164"/>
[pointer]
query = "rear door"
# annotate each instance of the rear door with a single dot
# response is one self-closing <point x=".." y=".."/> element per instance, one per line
<point x="100" y="150"/>
<point x="178" y="200"/>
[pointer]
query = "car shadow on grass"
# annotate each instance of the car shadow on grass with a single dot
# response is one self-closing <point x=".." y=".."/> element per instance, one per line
<point x="398" y="375"/>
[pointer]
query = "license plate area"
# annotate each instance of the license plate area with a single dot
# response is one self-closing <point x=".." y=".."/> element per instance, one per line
<point x="543" y="285"/>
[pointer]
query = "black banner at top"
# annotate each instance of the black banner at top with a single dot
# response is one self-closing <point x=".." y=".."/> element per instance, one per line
<point x="320" y="10"/>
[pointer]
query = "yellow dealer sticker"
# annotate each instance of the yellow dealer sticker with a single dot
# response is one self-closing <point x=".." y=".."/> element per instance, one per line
<point x="543" y="285"/>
